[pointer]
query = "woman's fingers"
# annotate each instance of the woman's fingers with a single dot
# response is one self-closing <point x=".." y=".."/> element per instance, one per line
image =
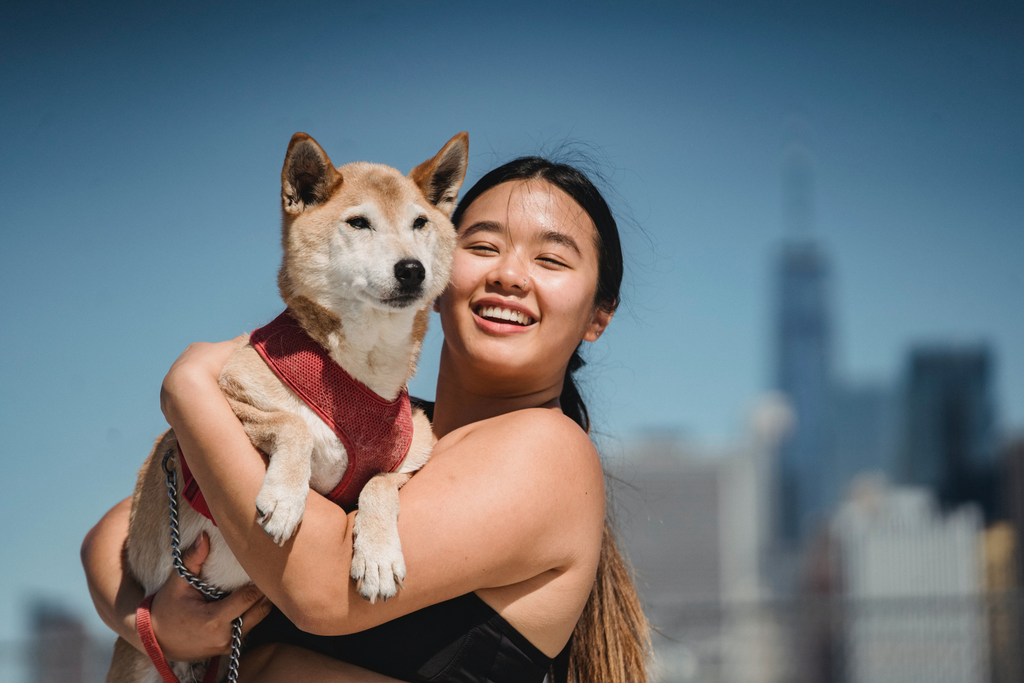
<point x="196" y="554"/>
<point x="255" y="614"/>
<point x="247" y="602"/>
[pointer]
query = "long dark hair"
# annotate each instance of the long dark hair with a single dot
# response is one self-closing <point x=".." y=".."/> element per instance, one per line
<point x="611" y="642"/>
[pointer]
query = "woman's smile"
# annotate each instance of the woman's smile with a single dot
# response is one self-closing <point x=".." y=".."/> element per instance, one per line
<point x="499" y="316"/>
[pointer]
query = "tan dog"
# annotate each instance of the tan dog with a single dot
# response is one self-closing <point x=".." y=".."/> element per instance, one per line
<point x="366" y="250"/>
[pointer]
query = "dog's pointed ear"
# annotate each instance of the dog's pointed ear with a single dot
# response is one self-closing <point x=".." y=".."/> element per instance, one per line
<point x="308" y="177"/>
<point x="441" y="177"/>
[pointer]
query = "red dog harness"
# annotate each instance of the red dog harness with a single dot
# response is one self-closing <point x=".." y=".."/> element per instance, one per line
<point x="376" y="432"/>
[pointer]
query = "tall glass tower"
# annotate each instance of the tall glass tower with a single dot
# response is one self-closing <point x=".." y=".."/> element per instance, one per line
<point x="949" y="440"/>
<point x="803" y="362"/>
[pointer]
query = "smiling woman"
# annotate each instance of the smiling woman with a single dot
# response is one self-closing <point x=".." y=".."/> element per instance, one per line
<point x="513" y="572"/>
<point x="571" y="230"/>
<point x="525" y="266"/>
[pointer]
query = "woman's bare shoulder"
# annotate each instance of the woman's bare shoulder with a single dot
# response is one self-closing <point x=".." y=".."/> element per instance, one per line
<point x="536" y="454"/>
<point x="534" y="434"/>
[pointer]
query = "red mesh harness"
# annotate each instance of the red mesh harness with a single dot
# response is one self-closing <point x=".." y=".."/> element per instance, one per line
<point x="376" y="433"/>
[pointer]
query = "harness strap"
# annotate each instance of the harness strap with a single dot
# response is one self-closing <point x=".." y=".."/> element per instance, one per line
<point x="190" y="490"/>
<point x="144" y="625"/>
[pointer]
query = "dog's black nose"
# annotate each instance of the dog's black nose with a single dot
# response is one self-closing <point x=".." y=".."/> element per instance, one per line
<point x="409" y="273"/>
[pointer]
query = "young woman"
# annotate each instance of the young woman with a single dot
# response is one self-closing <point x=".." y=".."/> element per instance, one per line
<point x="512" y="571"/>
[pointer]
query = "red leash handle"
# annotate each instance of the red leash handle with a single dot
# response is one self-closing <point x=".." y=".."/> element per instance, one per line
<point x="144" y="625"/>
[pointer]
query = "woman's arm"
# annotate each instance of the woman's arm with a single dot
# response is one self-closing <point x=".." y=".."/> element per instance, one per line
<point x="114" y="593"/>
<point x="495" y="506"/>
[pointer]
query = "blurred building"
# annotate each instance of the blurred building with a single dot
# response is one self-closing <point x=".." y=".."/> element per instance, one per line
<point x="949" y="434"/>
<point x="804" y="375"/>
<point x="802" y="360"/>
<point x="912" y="582"/>
<point x="866" y="428"/>
<point x="696" y="525"/>
<point x="1012" y="495"/>
<point x="61" y="648"/>
<point x="1004" y="599"/>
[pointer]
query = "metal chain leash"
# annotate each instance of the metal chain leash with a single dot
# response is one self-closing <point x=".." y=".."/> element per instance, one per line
<point x="209" y="591"/>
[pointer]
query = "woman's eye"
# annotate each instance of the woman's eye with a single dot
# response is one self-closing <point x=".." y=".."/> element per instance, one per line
<point x="482" y="248"/>
<point x="419" y="223"/>
<point x="552" y="261"/>
<point x="359" y="223"/>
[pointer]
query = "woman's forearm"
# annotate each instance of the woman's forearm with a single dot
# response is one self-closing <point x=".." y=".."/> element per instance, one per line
<point x="231" y="471"/>
<point x="114" y="592"/>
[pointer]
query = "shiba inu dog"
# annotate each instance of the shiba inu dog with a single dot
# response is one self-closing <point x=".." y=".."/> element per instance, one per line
<point x="365" y="252"/>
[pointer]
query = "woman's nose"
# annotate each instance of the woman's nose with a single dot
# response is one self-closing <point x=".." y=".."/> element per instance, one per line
<point x="511" y="272"/>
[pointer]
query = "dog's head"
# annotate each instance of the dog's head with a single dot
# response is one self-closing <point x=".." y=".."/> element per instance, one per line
<point x="364" y="232"/>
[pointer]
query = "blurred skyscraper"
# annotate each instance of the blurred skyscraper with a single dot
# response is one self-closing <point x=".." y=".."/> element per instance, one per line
<point x="62" y="652"/>
<point x="803" y="360"/>
<point x="949" y="438"/>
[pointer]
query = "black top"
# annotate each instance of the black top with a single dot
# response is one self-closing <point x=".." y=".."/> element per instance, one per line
<point x="459" y="641"/>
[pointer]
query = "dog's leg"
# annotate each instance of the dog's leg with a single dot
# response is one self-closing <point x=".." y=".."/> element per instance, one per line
<point x="128" y="665"/>
<point x="423" y="441"/>
<point x="377" y="563"/>
<point x="285" y="437"/>
<point x="378" y="566"/>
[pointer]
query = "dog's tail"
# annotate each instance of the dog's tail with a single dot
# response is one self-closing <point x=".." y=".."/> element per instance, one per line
<point x="612" y="639"/>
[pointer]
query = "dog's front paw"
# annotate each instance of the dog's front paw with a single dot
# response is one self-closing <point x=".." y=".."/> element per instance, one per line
<point x="280" y="510"/>
<point x="378" y="566"/>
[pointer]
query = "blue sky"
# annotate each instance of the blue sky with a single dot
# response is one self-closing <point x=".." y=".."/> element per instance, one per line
<point x="142" y="145"/>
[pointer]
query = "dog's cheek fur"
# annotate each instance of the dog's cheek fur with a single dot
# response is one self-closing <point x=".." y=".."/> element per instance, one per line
<point x="307" y="255"/>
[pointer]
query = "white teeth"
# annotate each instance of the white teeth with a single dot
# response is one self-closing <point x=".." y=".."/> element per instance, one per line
<point x="505" y="314"/>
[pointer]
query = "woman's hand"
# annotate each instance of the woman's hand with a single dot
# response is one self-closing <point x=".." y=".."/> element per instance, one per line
<point x="187" y="626"/>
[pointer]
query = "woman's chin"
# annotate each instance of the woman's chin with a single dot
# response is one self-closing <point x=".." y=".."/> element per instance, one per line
<point x="503" y="371"/>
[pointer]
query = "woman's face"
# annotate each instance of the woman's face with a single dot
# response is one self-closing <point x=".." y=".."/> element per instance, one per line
<point x="522" y="291"/>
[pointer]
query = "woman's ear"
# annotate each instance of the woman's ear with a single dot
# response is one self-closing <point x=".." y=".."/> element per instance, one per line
<point x="602" y="316"/>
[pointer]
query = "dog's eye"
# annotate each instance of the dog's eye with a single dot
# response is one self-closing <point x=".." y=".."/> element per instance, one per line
<point x="419" y="223"/>
<point x="359" y="223"/>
